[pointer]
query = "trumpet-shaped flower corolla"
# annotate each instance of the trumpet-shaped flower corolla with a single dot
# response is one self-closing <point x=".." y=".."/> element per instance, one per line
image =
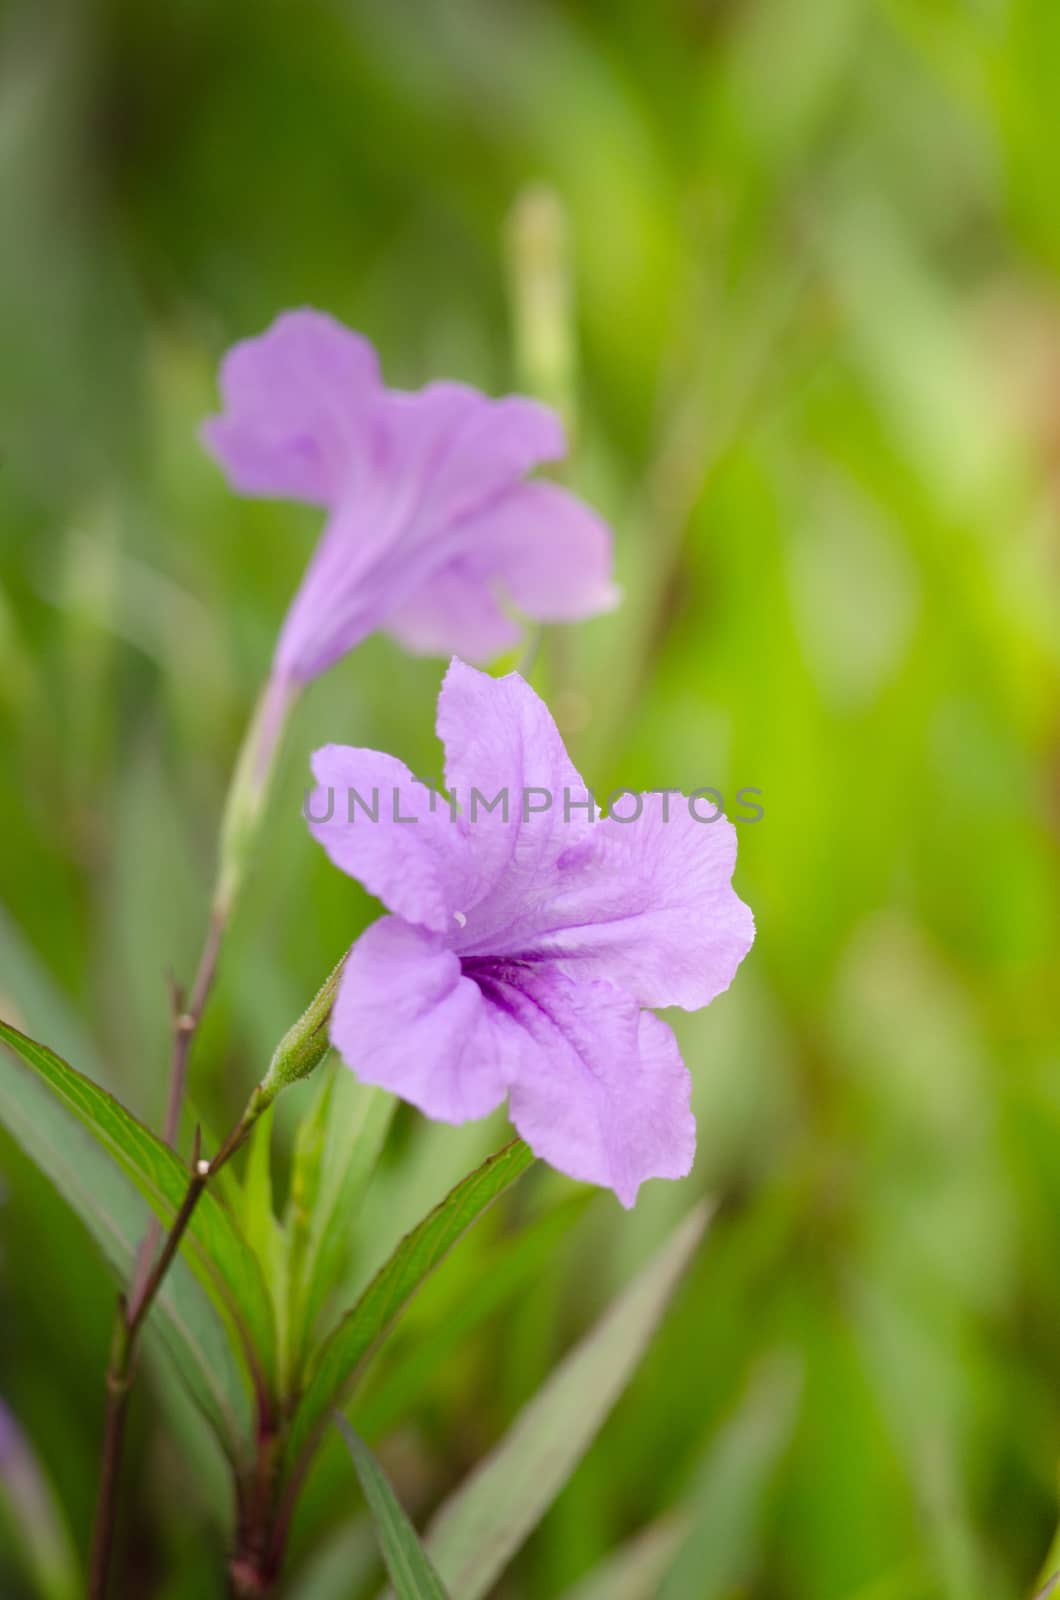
<point x="527" y="939"/>
<point x="432" y="530"/>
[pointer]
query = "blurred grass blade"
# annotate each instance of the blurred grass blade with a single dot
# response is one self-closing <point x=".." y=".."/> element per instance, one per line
<point x="220" y="1255"/>
<point x="406" y="1560"/>
<point x="37" y="1525"/>
<point x="486" y="1520"/>
<point x="340" y="1567"/>
<point x="184" y="1319"/>
<point x="393" y="1286"/>
<point x="728" y="1504"/>
<point x="31" y="1000"/>
<point x="541" y="286"/>
<point x="636" y="1569"/>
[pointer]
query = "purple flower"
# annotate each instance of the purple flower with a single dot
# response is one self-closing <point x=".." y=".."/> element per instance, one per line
<point x="526" y="941"/>
<point x="432" y="530"/>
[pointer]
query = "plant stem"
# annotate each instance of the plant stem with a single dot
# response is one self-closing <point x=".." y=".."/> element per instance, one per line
<point x="186" y="1023"/>
<point x="186" y="1019"/>
<point x="146" y="1280"/>
<point x="130" y="1319"/>
<point x="299" y="1053"/>
<point x="110" y="1457"/>
<point x="255" y="1565"/>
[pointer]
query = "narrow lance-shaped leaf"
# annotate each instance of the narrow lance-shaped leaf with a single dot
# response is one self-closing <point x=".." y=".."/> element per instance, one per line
<point x="510" y="1264"/>
<point x="28" y="1503"/>
<point x="254" y="1204"/>
<point x="727" y="1503"/>
<point x="339" y="1566"/>
<point x="355" y="1136"/>
<point x="220" y="1256"/>
<point x="636" y="1569"/>
<point x="42" y="1005"/>
<point x="483" y="1524"/>
<point x="303" y="1208"/>
<point x="184" y="1320"/>
<point x="415" y="1257"/>
<point x="409" y="1566"/>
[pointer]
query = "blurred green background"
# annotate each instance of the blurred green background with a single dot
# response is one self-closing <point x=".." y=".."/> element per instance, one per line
<point x="815" y="252"/>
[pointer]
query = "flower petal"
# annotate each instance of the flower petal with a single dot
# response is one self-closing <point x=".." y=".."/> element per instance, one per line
<point x="551" y="554"/>
<point x="295" y="403"/>
<point x="382" y="826"/>
<point x="456" y="610"/>
<point x="501" y="745"/>
<point x="343" y="597"/>
<point x="653" y="909"/>
<point x="646" y="904"/>
<point x="600" y="1090"/>
<point x="536" y="546"/>
<point x="406" y="1019"/>
<point x="462" y="449"/>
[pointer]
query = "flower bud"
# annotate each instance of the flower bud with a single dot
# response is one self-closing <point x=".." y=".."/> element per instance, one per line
<point x="303" y="1047"/>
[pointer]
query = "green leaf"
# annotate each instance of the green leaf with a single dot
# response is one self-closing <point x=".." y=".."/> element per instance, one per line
<point x="301" y="1221"/>
<point x="409" y="1567"/>
<point x="636" y="1569"/>
<point x="355" y="1135"/>
<point x="254" y="1202"/>
<point x="499" y="1275"/>
<point x="340" y="1566"/>
<point x="184" y="1320"/>
<point x="483" y="1524"/>
<point x="393" y="1286"/>
<point x="728" y="1502"/>
<point x="41" y="1002"/>
<point x="219" y="1254"/>
<point x="28" y="1505"/>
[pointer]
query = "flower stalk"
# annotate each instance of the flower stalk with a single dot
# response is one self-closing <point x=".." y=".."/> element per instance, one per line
<point x="249" y="789"/>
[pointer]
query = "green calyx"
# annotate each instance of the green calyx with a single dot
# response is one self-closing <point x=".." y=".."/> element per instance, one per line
<point x="303" y="1047"/>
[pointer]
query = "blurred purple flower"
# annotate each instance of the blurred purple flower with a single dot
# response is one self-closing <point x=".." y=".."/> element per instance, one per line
<point x="523" y="948"/>
<point x="432" y="529"/>
<point x="10" y="1438"/>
